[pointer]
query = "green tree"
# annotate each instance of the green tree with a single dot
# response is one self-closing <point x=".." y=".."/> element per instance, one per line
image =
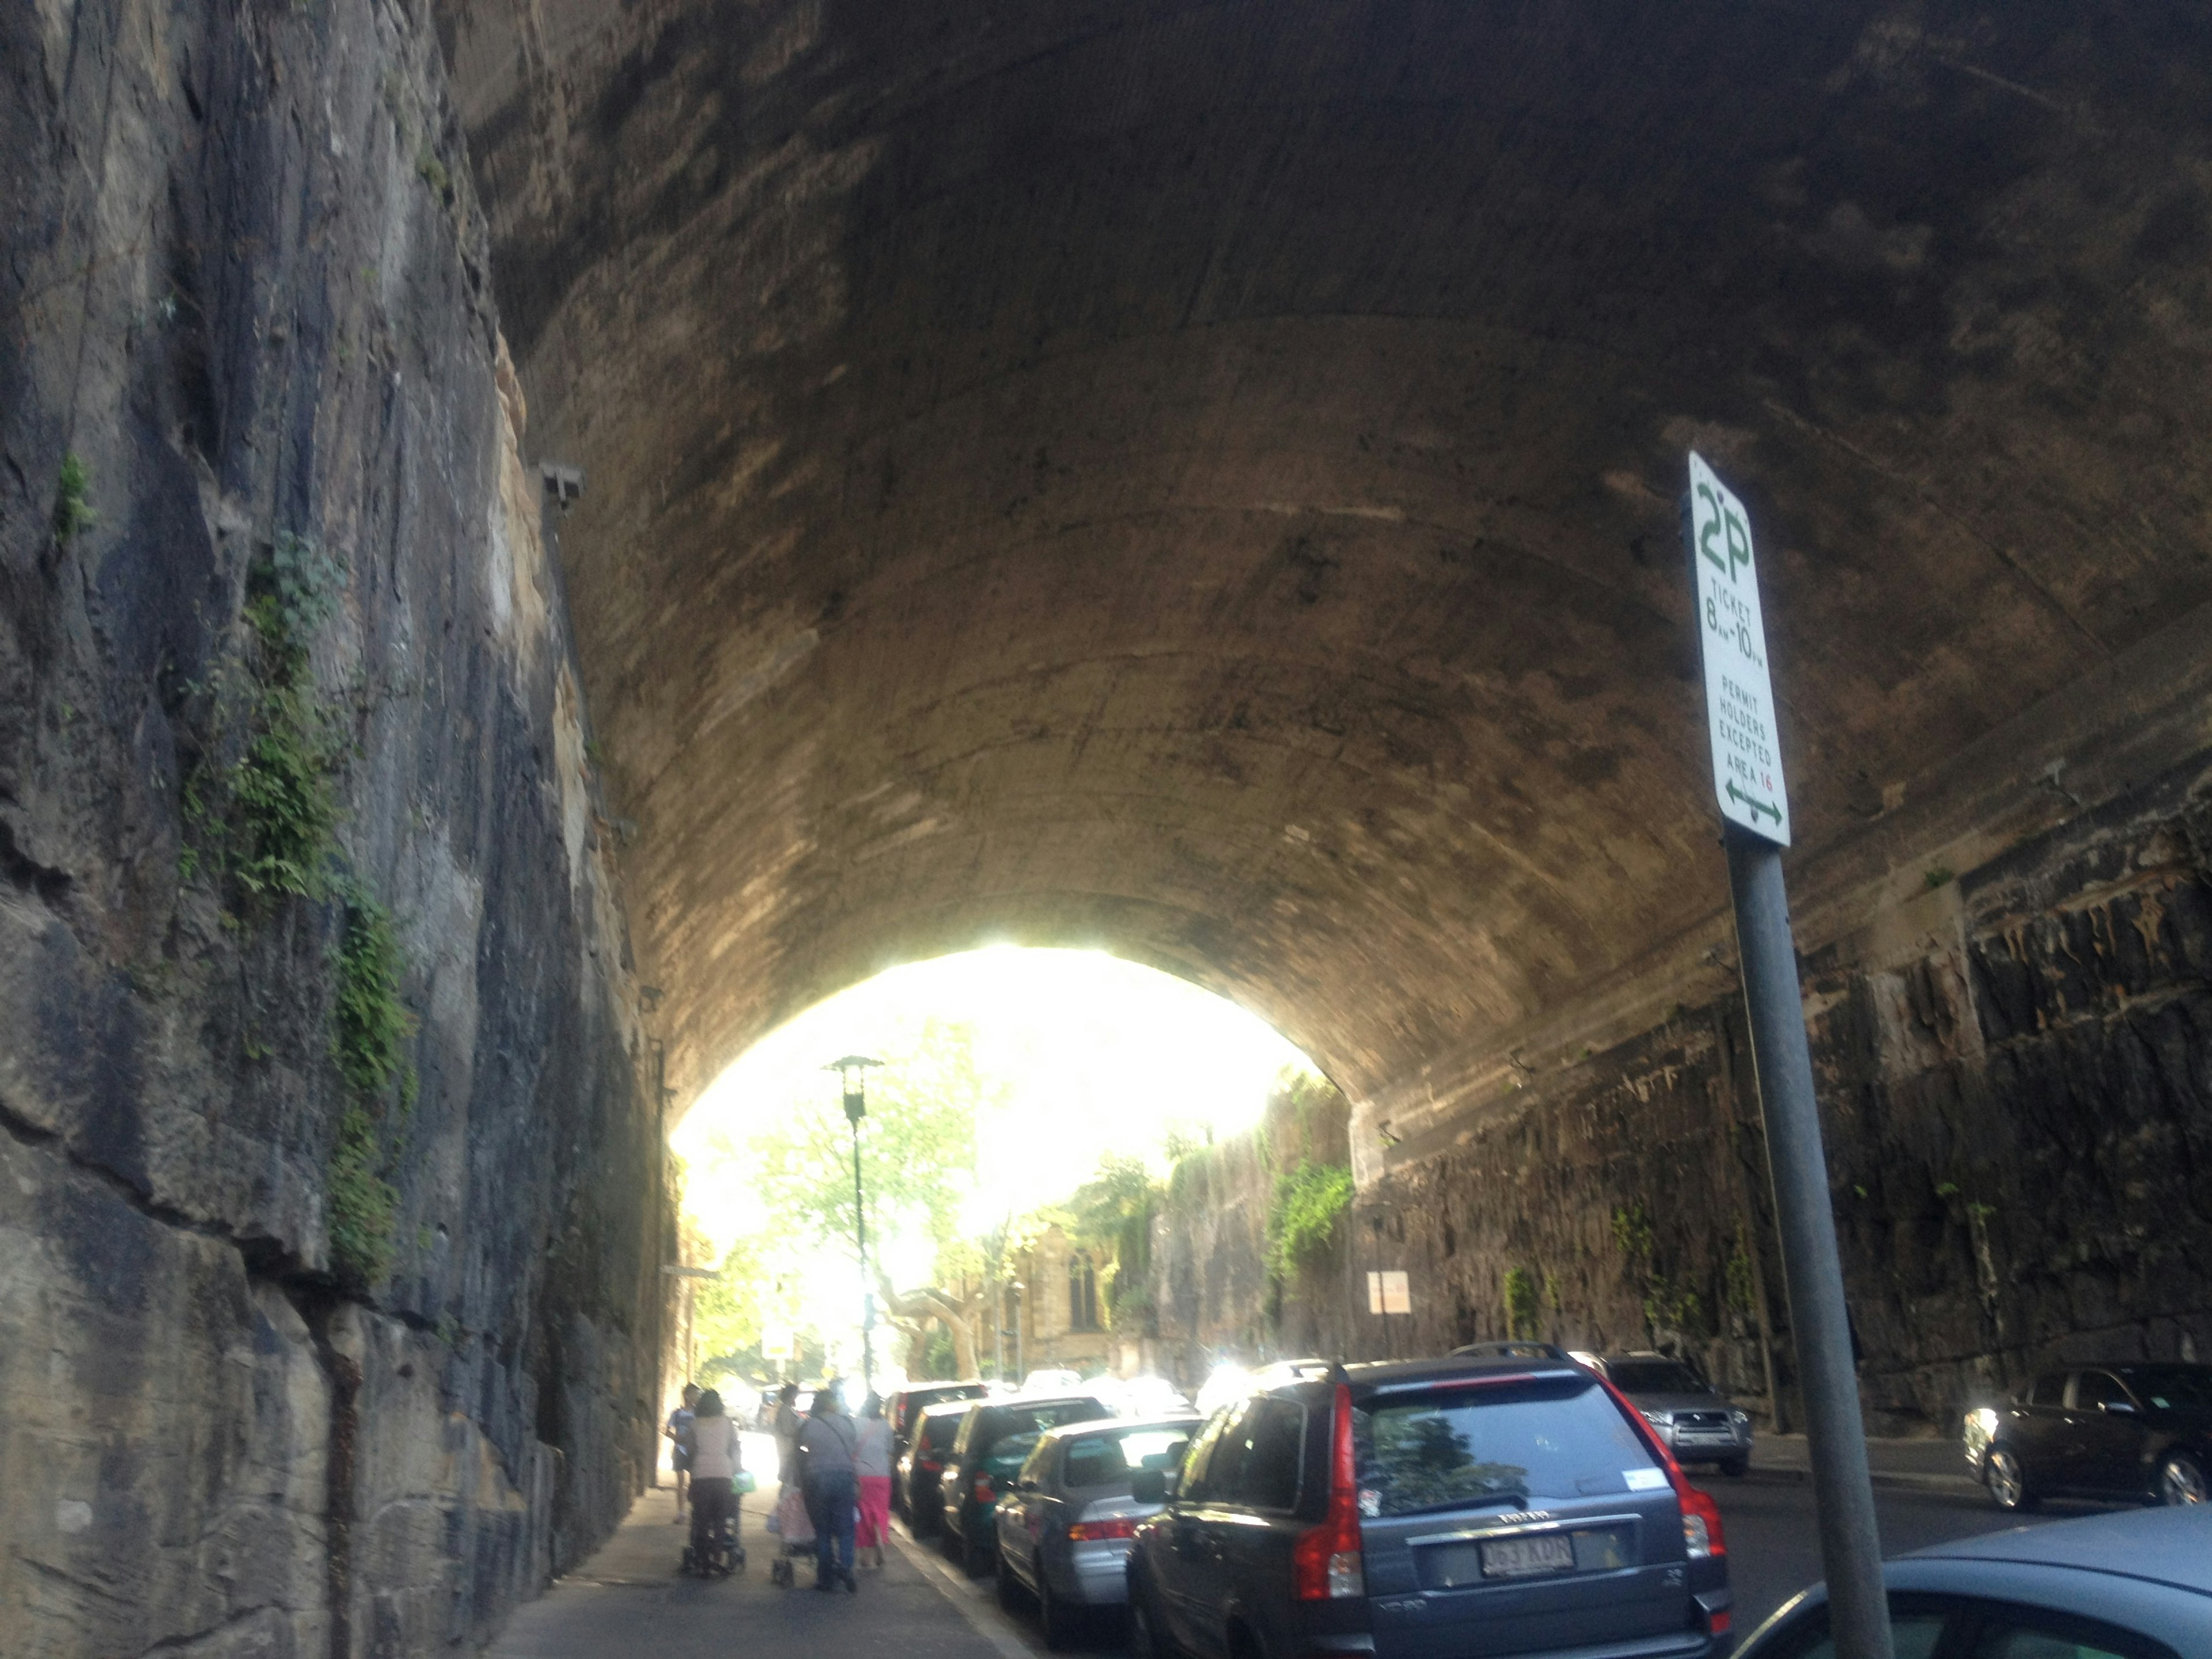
<point x="726" y="1312"/>
<point x="917" y="1147"/>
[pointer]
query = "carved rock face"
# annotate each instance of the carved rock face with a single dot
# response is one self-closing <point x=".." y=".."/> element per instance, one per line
<point x="1201" y="480"/>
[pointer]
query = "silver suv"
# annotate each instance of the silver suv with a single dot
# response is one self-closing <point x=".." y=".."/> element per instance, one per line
<point x="1699" y="1423"/>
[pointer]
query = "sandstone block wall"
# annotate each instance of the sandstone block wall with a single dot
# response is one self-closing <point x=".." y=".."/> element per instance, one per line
<point x="2014" y="1063"/>
<point x="245" y="286"/>
<point x="1211" y="1293"/>
<point x="2015" y="1074"/>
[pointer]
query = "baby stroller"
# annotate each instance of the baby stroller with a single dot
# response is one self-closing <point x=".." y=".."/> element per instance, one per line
<point x="795" y="1527"/>
<point x="724" y="1550"/>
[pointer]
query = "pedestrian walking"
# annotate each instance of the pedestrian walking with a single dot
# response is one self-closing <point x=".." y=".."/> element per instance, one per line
<point x="786" y="1429"/>
<point x="826" y="1445"/>
<point x="716" y="1457"/>
<point x="678" y="1429"/>
<point x="871" y="1466"/>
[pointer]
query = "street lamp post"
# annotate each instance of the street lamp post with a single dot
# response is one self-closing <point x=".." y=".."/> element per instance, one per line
<point x="853" y="1069"/>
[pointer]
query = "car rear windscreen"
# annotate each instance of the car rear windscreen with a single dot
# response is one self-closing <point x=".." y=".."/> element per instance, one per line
<point x="1653" y="1377"/>
<point x="1052" y="1414"/>
<point x="937" y="1431"/>
<point x="1518" y="1443"/>
<point x="1097" y="1460"/>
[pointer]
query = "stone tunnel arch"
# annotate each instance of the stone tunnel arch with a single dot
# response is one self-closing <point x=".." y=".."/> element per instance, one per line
<point x="1187" y="476"/>
<point x="1201" y="481"/>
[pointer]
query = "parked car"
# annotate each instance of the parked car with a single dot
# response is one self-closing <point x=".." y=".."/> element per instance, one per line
<point x="971" y="1482"/>
<point x="917" y="1479"/>
<point x="2131" y="1433"/>
<point x="771" y="1397"/>
<point x="1429" y="1507"/>
<point x="1699" y="1423"/>
<point x="1517" y="1348"/>
<point x="1139" y="1396"/>
<point x="904" y="1409"/>
<point x="2132" y="1585"/>
<point x="1064" y="1530"/>
<point x="1054" y="1380"/>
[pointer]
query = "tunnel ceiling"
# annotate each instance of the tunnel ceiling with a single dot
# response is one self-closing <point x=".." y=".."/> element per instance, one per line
<point x="1198" y="479"/>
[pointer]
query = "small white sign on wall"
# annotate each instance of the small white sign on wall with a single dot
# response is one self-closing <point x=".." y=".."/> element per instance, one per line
<point x="1389" y="1293"/>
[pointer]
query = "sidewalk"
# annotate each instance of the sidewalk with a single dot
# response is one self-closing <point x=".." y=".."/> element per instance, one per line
<point x="628" y="1600"/>
<point x="1933" y="1466"/>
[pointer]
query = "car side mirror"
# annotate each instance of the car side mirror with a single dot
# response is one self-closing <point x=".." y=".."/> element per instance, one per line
<point x="1025" y="1484"/>
<point x="1149" y="1486"/>
<point x="2124" y="1408"/>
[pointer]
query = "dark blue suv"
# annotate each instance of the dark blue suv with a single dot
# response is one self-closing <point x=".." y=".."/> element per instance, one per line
<point x="1437" y="1509"/>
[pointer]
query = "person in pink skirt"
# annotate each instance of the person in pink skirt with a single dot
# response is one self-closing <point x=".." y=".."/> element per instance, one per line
<point x="871" y="1462"/>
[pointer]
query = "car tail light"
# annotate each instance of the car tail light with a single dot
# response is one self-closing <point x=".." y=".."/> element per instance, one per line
<point x="1702" y="1535"/>
<point x="985" y="1493"/>
<point x="932" y="1465"/>
<point x="1091" y="1532"/>
<point x="1719" y="1623"/>
<point x="1324" y="1563"/>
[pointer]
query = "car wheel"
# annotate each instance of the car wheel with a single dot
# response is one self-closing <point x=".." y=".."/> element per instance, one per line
<point x="1148" y="1638"/>
<point x="2181" y="1480"/>
<point x="1055" y="1615"/>
<point x="2006" y="1481"/>
<point x="1734" y="1467"/>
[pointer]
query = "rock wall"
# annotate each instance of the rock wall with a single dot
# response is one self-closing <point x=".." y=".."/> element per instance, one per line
<point x="298" y="1360"/>
<point x="1211" y="1293"/>
<point x="2014" y="1063"/>
<point x="2015" y="1072"/>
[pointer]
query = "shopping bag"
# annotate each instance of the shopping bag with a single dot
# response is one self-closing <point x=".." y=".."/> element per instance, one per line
<point x="745" y="1482"/>
<point x="793" y="1524"/>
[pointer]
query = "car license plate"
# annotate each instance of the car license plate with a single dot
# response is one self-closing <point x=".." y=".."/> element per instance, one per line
<point x="1519" y="1558"/>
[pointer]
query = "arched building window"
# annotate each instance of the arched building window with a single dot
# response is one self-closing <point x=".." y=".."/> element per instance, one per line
<point x="1082" y="1293"/>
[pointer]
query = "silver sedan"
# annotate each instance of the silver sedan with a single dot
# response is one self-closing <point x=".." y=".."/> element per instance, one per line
<point x="1066" y="1526"/>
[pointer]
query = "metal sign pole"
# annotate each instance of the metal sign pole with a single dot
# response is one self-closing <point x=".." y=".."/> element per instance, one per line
<point x="1749" y="789"/>
<point x="1842" y="1493"/>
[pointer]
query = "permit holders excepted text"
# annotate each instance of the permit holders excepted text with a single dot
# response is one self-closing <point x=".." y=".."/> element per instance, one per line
<point x="1748" y="781"/>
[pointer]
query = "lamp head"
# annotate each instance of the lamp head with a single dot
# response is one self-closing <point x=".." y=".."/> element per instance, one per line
<point x="853" y="1069"/>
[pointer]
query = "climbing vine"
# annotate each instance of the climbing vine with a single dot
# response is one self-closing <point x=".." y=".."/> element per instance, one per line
<point x="1521" y="1309"/>
<point x="262" y="809"/>
<point x="1666" y="1306"/>
<point x="1302" y="1218"/>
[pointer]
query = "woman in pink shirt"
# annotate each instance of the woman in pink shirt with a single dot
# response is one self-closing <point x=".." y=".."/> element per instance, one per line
<point x="871" y="1462"/>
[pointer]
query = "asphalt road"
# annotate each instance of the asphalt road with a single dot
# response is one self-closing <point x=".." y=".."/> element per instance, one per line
<point x="1774" y="1548"/>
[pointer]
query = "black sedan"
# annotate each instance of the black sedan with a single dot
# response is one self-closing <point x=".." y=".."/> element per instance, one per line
<point x="2124" y="1433"/>
<point x="903" y="1410"/>
<point x="917" y="1482"/>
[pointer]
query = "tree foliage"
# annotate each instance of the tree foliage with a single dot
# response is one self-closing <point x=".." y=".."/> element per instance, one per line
<point x="917" y="1147"/>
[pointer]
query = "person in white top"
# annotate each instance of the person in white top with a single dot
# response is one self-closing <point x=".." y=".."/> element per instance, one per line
<point x="716" y="1457"/>
<point x="872" y="1463"/>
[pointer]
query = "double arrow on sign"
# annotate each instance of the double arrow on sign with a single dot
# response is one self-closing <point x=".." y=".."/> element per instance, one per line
<point x="1756" y="805"/>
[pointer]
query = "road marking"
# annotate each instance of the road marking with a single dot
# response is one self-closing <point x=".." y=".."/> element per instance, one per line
<point x="977" y="1605"/>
